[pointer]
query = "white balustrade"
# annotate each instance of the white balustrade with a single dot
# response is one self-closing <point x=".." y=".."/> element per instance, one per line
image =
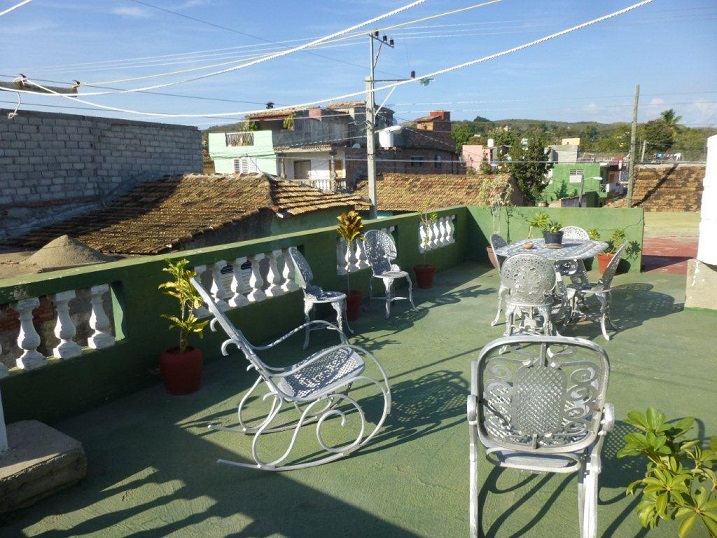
<point x="99" y="322"/>
<point x="451" y="229"/>
<point x="28" y="340"/>
<point x="218" y="290"/>
<point x="438" y="234"/>
<point x="65" y="329"/>
<point x="202" y="311"/>
<point x="256" y="283"/>
<point x="238" y="285"/>
<point x="288" y="270"/>
<point x="273" y="276"/>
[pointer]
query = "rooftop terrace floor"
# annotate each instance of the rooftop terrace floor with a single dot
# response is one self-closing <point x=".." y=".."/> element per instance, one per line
<point x="152" y="469"/>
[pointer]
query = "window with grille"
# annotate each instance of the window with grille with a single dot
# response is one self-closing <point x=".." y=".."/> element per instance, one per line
<point x="576" y="176"/>
<point x="239" y="139"/>
<point x="244" y="165"/>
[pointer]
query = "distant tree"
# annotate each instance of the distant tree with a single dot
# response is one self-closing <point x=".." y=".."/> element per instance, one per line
<point x="658" y="136"/>
<point x="528" y="164"/>
<point x="481" y="119"/>
<point x="672" y="120"/>
<point x="461" y="132"/>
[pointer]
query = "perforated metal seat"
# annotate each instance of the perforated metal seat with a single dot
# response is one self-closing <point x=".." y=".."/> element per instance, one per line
<point x="537" y="403"/>
<point x="321" y="389"/>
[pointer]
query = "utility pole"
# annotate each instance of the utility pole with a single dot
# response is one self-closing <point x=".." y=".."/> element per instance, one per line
<point x="633" y="149"/>
<point x="371" y="122"/>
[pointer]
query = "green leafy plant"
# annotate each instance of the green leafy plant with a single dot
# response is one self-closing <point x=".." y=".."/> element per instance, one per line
<point x="680" y="478"/>
<point x="428" y="219"/>
<point x="181" y="288"/>
<point x="350" y="229"/>
<point x="593" y="234"/>
<point x="552" y="226"/>
<point x="496" y="192"/>
<point x="615" y="241"/>
<point x="539" y="220"/>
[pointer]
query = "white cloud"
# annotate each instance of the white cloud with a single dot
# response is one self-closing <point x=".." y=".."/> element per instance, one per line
<point x="135" y="12"/>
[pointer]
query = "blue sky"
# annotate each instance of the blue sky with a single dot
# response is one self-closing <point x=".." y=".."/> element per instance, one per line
<point x="668" y="47"/>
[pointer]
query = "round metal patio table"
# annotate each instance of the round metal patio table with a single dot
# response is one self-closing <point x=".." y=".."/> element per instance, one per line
<point x="571" y="249"/>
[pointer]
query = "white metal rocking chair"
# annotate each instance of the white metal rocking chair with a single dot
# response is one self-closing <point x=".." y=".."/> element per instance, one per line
<point x="537" y="403"/>
<point x="318" y="387"/>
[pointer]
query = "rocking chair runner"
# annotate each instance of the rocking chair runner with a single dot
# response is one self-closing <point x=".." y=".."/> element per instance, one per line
<point x="537" y="403"/>
<point x="318" y="387"/>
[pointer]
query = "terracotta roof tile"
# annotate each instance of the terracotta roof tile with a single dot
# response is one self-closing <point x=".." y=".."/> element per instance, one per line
<point x="159" y="216"/>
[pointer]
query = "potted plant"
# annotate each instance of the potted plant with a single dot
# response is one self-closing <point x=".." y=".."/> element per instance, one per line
<point x="614" y="242"/>
<point x="552" y="234"/>
<point x="681" y="474"/>
<point x="496" y="192"/>
<point x="425" y="271"/>
<point x="181" y="365"/>
<point x="539" y="221"/>
<point x="350" y="229"/>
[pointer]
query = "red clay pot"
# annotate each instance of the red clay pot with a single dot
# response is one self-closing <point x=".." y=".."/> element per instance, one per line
<point x="424" y="275"/>
<point x="353" y="304"/>
<point x="181" y="372"/>
<point x="604" y="261"/>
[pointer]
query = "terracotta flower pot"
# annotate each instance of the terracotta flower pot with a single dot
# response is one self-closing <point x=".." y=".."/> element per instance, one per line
<point x="603" y="261"/>
<point x="424" y="275"/>
<point x="181" y="372"/>
<point x="353" y="304"/>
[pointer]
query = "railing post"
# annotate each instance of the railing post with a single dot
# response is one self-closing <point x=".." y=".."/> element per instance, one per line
<point x="218" y="289"/>
<point x="237" y="286"/>
<point x="273" y="276"/>
<point x="255" y="281"/>
<point x="28" y="339"/>
<point x="65" y="329"/>
<point x="99" y="322"/>
<point x="288" y="271"/>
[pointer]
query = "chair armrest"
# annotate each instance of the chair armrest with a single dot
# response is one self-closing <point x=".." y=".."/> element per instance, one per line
<point x="472" y="409"/>
<point x="608" y="417"/>
<point x="317" y="322"/>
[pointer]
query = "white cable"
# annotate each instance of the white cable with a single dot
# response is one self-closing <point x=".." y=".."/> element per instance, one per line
<point x="355" y="94"/>
<point x="8" y="10"/>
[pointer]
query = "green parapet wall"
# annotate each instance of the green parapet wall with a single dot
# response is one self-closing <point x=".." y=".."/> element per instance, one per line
<point x="512" y="224"/>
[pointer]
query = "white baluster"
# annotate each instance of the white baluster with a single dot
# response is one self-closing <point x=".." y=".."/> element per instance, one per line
<point x="342" y="257"/>
<point x="238" y="285"/>
<point x="423" y="239"/>
<point x="256" y="283"/>
<point x="202" y="311"/>
<point x="218" y="289"/>
<point x="353" y="257"/>
<point x="99" y="322"/>
<point x="28" y="340"/>
<point x="273" y="275"/>
<point x="288" y="271"/>
<point x="65" y="329"/>
<point x="451" y="230"/>
<point x="442" y="232"/>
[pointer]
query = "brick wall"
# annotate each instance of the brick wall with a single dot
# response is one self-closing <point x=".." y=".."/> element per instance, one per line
<point x="668" y="187"/>
<point x="53" y="166"/>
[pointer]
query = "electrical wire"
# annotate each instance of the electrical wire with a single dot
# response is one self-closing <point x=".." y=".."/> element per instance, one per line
<point x="8" y="10"/>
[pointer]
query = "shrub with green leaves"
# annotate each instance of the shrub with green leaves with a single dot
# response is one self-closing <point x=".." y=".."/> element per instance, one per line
<point x="680" y="479"/>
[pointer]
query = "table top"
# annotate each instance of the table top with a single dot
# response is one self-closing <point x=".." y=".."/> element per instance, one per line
<point x="571" y="249"/>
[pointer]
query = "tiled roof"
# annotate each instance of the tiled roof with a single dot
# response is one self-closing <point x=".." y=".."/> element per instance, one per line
<point x="407" y="192"/>
<point x="159" y="216"/>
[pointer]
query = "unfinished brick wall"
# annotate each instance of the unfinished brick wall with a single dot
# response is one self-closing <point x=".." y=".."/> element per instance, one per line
<point x="55" y="165"/>
<point x="668" y="187"/>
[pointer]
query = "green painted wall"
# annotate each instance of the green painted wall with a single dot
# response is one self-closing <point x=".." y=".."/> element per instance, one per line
<point x="560" y="186"/>
<point x="262" y="151"/>
<point x="71" y="386"/>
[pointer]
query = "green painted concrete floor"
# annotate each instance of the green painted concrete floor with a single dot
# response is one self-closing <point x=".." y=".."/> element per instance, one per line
<point x="152" y="469"/>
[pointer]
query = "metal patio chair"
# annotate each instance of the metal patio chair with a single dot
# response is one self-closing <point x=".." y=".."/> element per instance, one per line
<point x="537" y="404"/>
<point x="583" y="304"/>
<point x="574" y="269"/>
<point x="496" y="241"/>
<point x="314" y="294"/>
<point x="323" y="388"/>
<point x="380" y="252"/>
<point x="530" y="281"/>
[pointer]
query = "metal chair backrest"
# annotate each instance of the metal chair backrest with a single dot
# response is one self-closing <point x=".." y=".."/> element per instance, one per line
<point x="303" y="273"/>
<point x="236" y="337"/>
<point x="540" y="393"/>
<point x="496" y="241"/>
<point x="380" y="251"/>
<point x="606" y="280"/>
<point x="529" y="278"/>
<point x="574" y="232"/>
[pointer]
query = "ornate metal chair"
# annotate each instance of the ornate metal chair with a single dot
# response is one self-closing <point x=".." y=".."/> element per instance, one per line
<point x="529" y="281"/>
<point x="317" y="389"/>
<point x="574" y="269"/>
<point x="600" y="290"/>
<point x="380" y="252"/>
<point x="314" y="295"/>
<point x="537" y="403"/>
<point x="496" y="241"/>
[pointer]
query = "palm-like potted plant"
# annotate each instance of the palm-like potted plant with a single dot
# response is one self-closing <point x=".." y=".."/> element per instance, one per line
<point x="181" y="365"/>
<point x="425" y="271"/>
<point x="350" y="229"/>
<point x="552" y="234"/>
<point x="614" y="242"/>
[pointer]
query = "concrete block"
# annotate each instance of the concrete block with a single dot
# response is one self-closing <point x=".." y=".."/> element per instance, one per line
<point x="701" y="290"/>
<point x="40" y="461"/>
